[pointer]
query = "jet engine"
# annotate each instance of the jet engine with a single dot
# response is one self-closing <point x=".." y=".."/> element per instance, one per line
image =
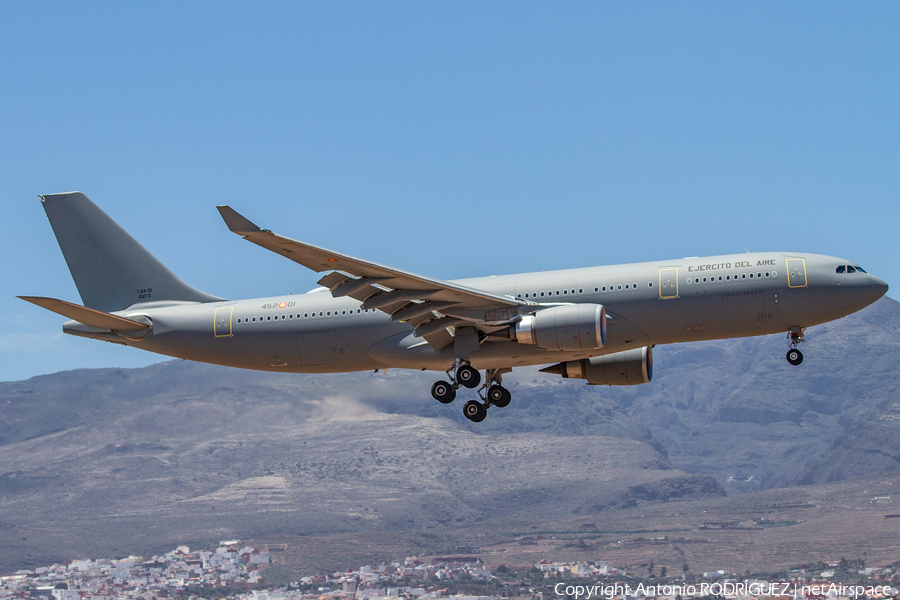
<point x="631" y="367"/>
<point x="569" y="327"/>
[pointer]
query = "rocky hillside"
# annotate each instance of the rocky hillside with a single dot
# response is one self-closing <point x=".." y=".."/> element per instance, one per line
<point x="103" y="462"/>
<point x="737" y="411"/>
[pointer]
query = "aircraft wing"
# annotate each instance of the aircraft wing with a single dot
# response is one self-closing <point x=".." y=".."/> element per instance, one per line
<point x="429" y="305"/>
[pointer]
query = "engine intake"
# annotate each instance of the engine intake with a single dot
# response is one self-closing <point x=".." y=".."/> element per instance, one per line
<point x="570" y="327"/>
<point x="631" y="367"/>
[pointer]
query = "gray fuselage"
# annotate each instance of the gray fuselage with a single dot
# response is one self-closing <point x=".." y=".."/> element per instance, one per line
<point x="649" y="303"/>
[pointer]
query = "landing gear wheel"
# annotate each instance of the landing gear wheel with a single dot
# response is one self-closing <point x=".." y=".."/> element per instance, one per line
<point x="498" y="395"/>
<point x="474" y="411"/>
<point x="468" y="376"/>
<point x="443" y="392"/>
<point x="794" y="356"/>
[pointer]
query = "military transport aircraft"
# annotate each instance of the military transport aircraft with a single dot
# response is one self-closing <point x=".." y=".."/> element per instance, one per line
<point x="596" y="323"/>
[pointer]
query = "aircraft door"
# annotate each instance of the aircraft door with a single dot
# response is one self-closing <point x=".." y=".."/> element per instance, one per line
<point x="668" y="283"/>
<point x="223" y="322"/>
<point x="796" y="268"/>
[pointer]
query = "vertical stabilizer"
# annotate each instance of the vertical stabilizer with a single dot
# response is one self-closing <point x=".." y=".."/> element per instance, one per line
<point x="111" y="269"/>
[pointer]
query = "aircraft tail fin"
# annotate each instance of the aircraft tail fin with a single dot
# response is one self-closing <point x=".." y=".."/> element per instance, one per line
<point x="112" y="271"/>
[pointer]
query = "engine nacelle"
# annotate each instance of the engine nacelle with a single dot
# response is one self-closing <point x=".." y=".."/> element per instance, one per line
<point x="631" y="367"/>
<point x="570" y="327"/>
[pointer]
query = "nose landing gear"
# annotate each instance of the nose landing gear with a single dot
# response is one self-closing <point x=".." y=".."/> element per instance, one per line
<point x="794" y="356"/>
<point x="491" y="392"/>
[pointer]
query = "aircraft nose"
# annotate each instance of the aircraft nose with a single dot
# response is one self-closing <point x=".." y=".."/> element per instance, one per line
<point x="870" y="290"/>
<point x="859" y="291"/>
<point x="879" y="288"/>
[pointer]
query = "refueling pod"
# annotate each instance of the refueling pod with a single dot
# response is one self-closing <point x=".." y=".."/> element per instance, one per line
<point x="631" y="367"/>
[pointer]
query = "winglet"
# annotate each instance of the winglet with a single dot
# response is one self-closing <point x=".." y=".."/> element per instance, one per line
<point x="236" y="222"/>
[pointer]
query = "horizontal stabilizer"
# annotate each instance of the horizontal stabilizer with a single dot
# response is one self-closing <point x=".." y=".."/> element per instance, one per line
<point x="86" y="316"/>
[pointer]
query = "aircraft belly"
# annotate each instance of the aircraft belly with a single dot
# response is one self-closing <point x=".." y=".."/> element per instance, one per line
<point x="320" y="347"/>
<point x="808" y="307"/>
<point x="694" y="317"/>
<point x="744" y="309"/>
<point x="328" y="347"/>
<point x="406" y="351"/>
<point x="737" y="313"/>
<point x="249" y="351"/>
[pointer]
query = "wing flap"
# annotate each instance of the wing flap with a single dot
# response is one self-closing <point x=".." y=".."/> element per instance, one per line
<point x="334" y="279"/>
<point x="365" y="293"/>
<point x="439" y="340"/>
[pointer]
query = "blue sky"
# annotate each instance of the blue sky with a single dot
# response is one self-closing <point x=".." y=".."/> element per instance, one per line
<point x="449" y="139"/>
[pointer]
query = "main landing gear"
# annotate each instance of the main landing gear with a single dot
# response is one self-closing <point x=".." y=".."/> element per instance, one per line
<point x="794" y="356"/>
<point x="491" y="392"/>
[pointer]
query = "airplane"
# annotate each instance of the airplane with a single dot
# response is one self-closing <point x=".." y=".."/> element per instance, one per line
<point x="598" y="324"/>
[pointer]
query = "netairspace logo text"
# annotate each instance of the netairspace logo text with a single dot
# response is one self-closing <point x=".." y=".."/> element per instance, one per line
<point x="588" y="592"/>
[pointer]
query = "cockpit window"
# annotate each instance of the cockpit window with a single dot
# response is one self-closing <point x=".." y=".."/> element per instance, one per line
<point x="849" y="269"/>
